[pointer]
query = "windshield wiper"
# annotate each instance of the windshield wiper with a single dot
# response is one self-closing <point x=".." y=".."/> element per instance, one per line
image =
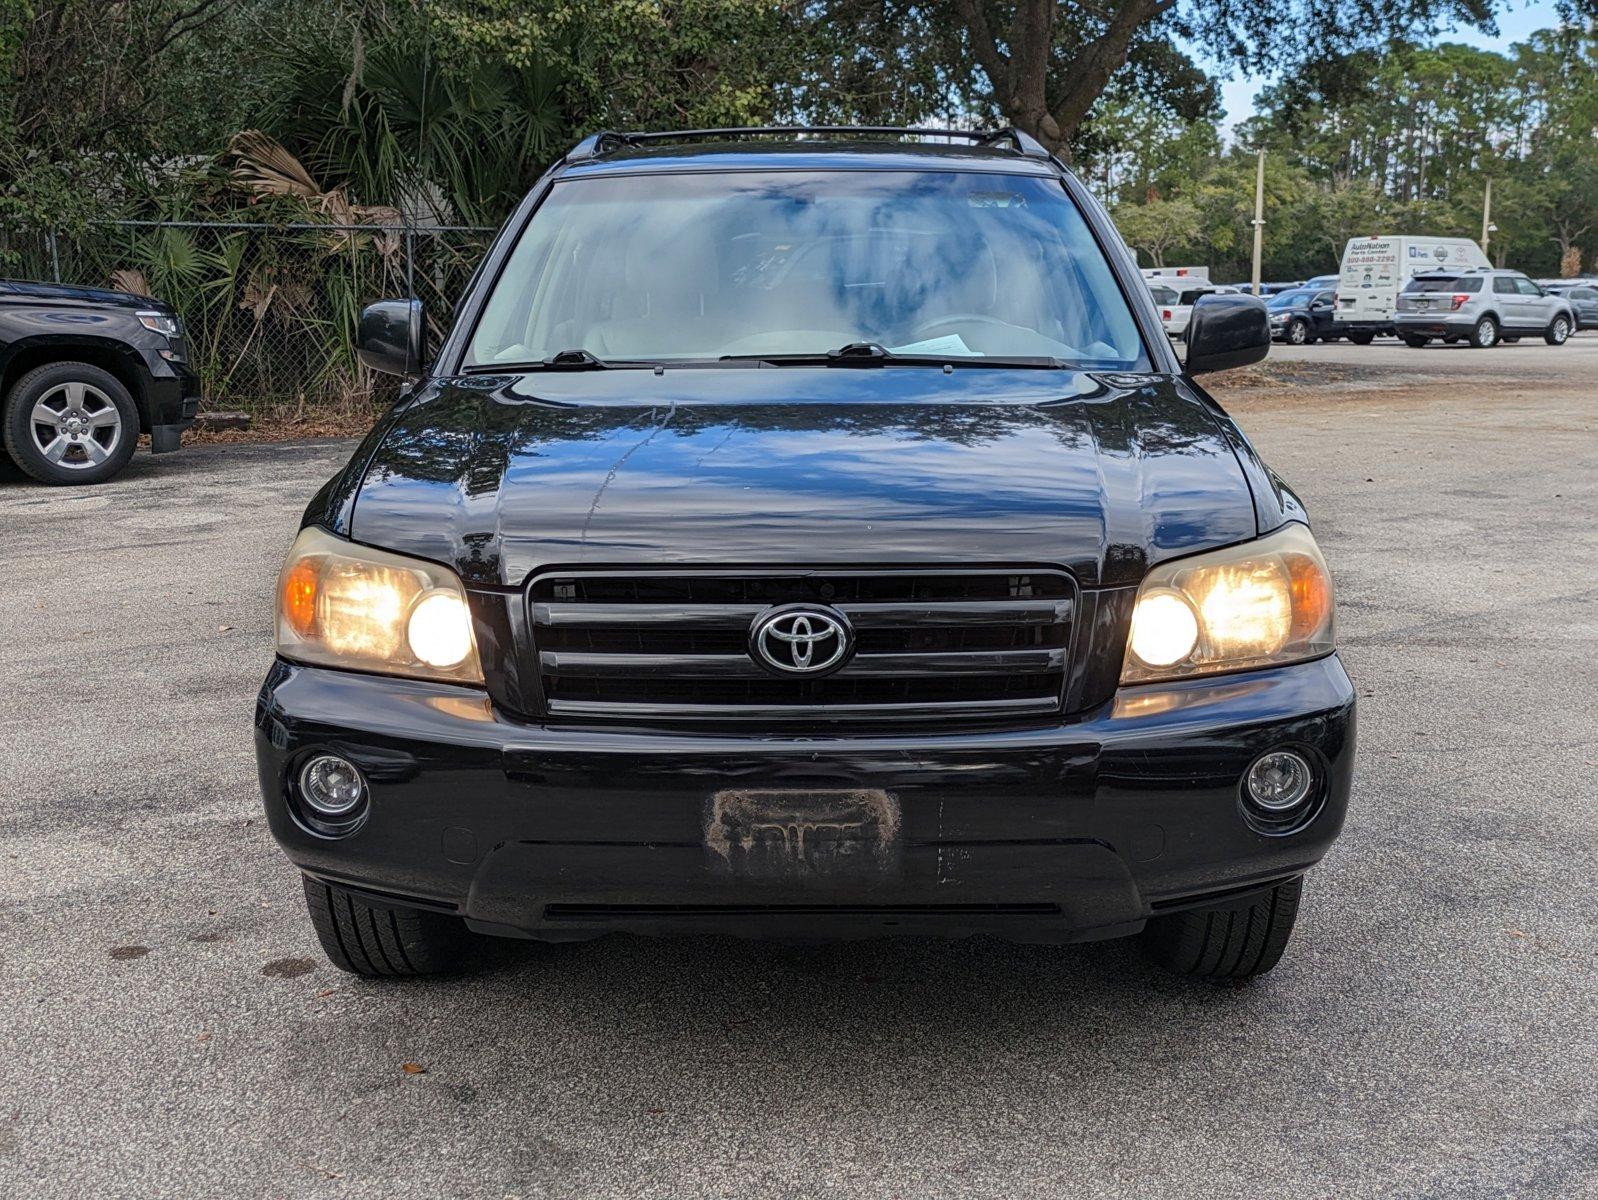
<point x="567" y="360"/>
<point x="874" y="354"/>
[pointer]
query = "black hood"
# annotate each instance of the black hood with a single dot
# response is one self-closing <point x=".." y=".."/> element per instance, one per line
<point x="504" y="475"/>
<point x="70" y="294"/>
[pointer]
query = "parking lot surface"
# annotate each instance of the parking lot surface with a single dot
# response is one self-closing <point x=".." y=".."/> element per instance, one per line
<point x="1530" y="359"/>
<point x="171" y="1029"/>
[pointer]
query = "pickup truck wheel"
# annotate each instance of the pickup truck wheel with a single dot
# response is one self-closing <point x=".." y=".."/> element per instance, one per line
<point x="1227" y="943"/>
<point x="365" y="940"/>
<point x="1414" y="341"/>
<point x="1558" y="332"/>
<point x="1362" y="339"/>
<point x="1485" y="335"/>
<point x="68" y="422"/>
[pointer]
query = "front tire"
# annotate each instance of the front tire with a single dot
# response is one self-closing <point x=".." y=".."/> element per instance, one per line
<point x="1485" y="335"/>
<point x="1558" y="332"/>
<point x="366" y="940"/>
<point x="1230" y="942"/>
<point x="1362" y="338"/>
<point x="1414" y="341"/>
<point x="69" y="422"/>
<point x="1297" y="333"/>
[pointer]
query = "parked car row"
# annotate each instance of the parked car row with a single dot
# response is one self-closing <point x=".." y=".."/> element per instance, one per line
<point x="1481" y="305"/>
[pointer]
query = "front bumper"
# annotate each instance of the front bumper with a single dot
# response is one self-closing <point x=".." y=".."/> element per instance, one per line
<point x="1073" y="831"/>
<point x="171" y="395"/>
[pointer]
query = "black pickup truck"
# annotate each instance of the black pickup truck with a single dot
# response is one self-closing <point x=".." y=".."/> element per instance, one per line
<point x="83" y="372"/>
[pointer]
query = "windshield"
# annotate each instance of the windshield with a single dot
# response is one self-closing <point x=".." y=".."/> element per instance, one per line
<point x="1289" y="299"/>
<point x="961" y="266"/>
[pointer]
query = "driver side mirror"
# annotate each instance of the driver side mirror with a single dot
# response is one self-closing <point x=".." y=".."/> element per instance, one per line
<point x="1227" y="331"/>
<point x="390" y="337"/>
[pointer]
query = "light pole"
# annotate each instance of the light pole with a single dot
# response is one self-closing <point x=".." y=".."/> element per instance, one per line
<point x="1487" y="225"/>
<point x="1259" y="219"/>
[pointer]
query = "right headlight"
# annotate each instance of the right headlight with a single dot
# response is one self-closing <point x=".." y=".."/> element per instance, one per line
<point x="340" y="604"/>
<point x="1260" y="604"/>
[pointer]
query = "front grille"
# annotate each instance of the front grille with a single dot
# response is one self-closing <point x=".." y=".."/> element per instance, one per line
<point x="929" y="645"/>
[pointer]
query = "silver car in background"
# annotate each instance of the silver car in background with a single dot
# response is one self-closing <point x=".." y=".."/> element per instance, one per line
<point x="1481" y="305"/>
<point x="1583" y="297"/>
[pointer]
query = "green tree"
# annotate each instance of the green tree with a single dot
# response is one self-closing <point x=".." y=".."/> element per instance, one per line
<point x="1043" y="64"/>
<point x="1158" y="226"/>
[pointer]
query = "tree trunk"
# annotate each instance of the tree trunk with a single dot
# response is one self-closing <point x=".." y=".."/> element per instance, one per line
<point x="1019" y="72"/>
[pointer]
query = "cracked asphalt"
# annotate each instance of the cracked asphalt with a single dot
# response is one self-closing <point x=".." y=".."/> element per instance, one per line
<point x="171" y="1029"/>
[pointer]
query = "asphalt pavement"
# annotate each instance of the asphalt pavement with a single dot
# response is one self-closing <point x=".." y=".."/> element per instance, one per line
<point x="1530" y="359"/>
<point x="170" y="1028"/>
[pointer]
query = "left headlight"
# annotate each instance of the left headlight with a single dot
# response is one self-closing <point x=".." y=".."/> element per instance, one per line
<point x="165" y="324"/>
<point x="1263" y="603"/>
<point x="344" y="605"/>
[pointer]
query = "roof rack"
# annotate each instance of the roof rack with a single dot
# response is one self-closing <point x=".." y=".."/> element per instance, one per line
<point x="599" y="143"/>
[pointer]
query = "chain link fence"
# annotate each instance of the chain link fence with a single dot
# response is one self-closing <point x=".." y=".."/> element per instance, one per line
<point x="270" y="309"/>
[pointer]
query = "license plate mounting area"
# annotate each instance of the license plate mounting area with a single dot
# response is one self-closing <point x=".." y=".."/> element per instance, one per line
<point x="799" y="835"/>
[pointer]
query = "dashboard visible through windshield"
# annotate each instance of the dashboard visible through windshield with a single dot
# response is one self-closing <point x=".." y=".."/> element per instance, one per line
<point x="948" y="265"/>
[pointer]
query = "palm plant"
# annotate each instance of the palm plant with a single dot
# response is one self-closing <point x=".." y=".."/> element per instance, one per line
<point x="451" y="140"/>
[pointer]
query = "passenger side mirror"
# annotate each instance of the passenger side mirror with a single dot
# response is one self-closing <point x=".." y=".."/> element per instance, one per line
<point x="1226" y="332"/>
<point x="390" y="337"/>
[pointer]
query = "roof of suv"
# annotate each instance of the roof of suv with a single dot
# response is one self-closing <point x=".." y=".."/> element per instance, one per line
<point x="809" y="148"/>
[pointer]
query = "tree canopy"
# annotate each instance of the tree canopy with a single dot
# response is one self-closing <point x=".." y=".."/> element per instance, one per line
<point x="446" y="110"/>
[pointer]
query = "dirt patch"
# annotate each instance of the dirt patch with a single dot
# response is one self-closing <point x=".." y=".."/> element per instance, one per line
<point x="345" y="421"/>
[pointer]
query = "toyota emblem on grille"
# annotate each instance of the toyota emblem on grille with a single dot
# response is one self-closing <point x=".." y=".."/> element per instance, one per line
<point x="801" y="639"/>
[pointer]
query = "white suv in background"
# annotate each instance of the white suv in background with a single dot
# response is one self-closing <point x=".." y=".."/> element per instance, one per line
<point x="1176" y="296"/>
<point x="1481" y="305"/>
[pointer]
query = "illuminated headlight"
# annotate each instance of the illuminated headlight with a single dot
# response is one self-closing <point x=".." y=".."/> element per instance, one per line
<point x="1261" y="604"/>
<point x="165" y="324"/>
<point x="343" y="605"/>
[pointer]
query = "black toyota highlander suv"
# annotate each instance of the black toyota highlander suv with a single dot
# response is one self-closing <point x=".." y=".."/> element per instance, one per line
<point x="806" y="534"/>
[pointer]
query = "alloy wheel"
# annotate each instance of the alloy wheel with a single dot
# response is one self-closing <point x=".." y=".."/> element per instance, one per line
<point x="76" y="426"/>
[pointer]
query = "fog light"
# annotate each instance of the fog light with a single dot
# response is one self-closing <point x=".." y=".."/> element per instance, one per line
<point x="332" y="786"/>
<point x="1279" y="781"/>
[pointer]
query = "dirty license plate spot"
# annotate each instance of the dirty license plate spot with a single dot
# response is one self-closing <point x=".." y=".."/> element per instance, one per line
<point x="794" y="834"/>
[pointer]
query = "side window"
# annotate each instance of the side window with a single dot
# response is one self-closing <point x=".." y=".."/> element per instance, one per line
<point x="1503" y="285"/>
<point x="1527" y="288"/>
<point x="1163" y="295"/>
<point x="1584" y="294"/>
<point x="1323" y="298"/>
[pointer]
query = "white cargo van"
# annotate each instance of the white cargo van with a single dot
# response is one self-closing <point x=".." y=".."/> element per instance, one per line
<point x="1376" y="268"/>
